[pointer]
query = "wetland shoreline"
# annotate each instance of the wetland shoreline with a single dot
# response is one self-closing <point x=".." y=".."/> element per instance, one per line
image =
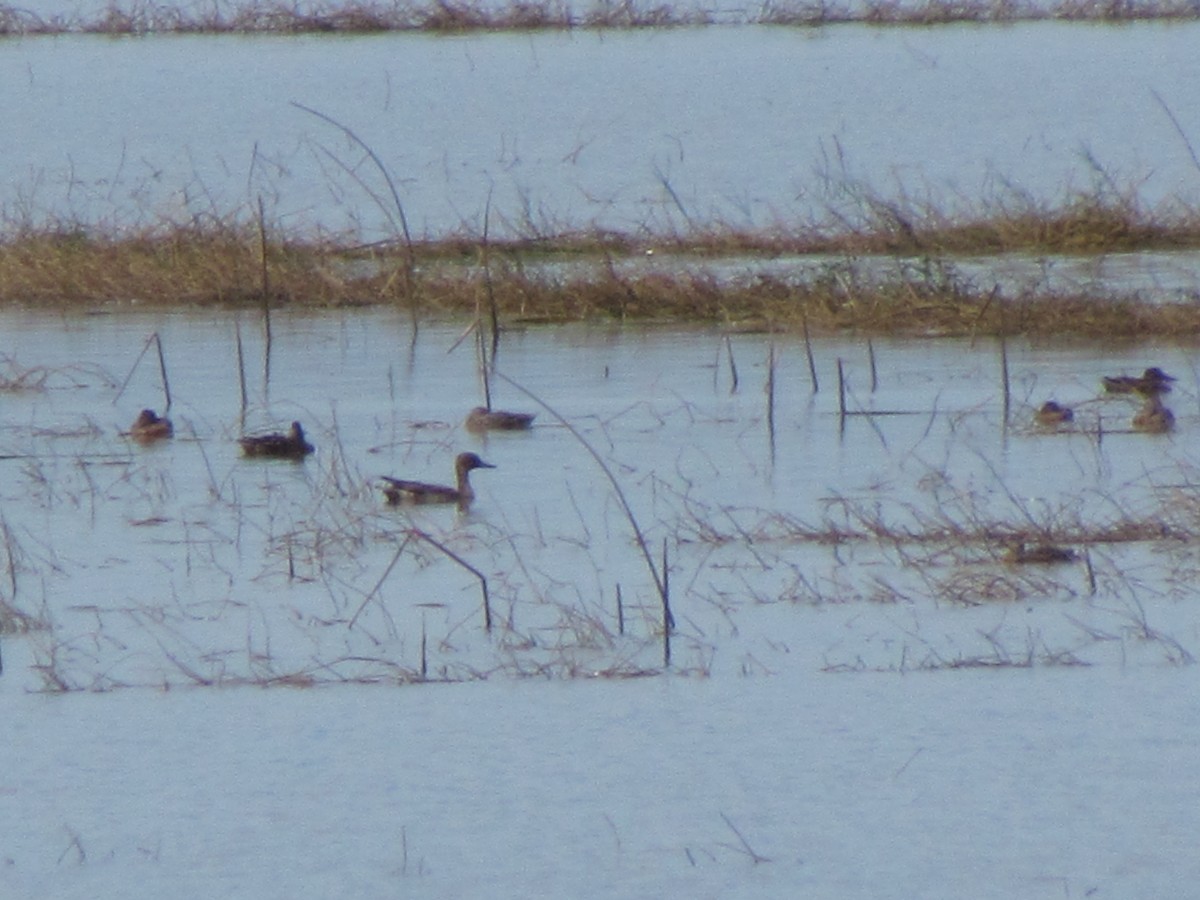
<point x="815" y="278"/>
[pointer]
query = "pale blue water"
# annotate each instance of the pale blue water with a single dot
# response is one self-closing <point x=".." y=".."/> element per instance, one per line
<point x="657" y="131"/>
<point x="157" y="569"/>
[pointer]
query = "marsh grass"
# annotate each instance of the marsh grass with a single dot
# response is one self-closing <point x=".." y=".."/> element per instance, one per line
<point x="142" y="17"/>
<point x="573" y="276"/>
<point x="187" y="266"/>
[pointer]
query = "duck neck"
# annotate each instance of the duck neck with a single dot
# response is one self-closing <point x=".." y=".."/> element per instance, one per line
<point x="464" y="483"/>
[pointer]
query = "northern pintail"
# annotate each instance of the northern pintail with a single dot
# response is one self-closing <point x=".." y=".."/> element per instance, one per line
<point x="278" y="446"/>
<point x="1150" y="383"/>
<point x="483" y="419"/>
<point x="398" y="490"/>
<point x="1051" y="413"/>
<point x="149" y="427"/>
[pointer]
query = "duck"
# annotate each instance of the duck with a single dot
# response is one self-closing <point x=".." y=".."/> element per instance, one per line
<point x="483" y="419"/>
<point x="398" y="490"/>
<point x="149" y="427"/>
<point x="1051" y="413"/>
<point x="278" y="446"/>
<point x="1045" y="554"/>
<point x="1152" y="382"/>
<point x="1153" y="417"/>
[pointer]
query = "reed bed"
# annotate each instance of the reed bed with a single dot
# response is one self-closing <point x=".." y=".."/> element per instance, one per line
<point x="572" y="276"/>
<point x="444" y="16"/>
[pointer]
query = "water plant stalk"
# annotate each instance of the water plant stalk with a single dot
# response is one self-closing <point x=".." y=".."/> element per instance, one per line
<point x="639" y="535"/>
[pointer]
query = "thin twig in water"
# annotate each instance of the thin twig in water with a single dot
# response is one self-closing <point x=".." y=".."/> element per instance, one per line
<point x="733" y="372"/>
<point x="746" y="848"/>
<point x="382" y="578"/>
<point x="841" y="391"/>
<point x="483" y="583"/>
<point x="808" y="352"/>
<point x="1004" y="377"/>
<point x="162" y="368"/>
<point x="241" y="360"/>
<point x="769" y="388"/>
<point x="1178" y="128"/>
<point x="487" y="281"/>
<point x="639" y="535"/>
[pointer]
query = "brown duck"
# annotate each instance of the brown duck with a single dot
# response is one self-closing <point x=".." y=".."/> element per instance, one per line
<point x="1153" y="417"/>
<point x="278" y="446"/>
<point x="483" y="419"/>
<point x="1152" y="382"/>
<point x="1051" y="414"/>
<point x="149" y="427"/>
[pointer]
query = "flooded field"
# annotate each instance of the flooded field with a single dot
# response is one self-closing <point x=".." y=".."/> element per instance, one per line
<point x="812" y="559"/>
<point x="765" y="505"/>
<point x="741" y="615"/>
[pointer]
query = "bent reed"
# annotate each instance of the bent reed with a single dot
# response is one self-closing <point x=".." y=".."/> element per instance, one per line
<point x="597" y="275"/>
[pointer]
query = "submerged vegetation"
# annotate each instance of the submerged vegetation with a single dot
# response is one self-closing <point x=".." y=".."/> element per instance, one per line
<point x="569" y="276"/>
<point x="454" y="16"/>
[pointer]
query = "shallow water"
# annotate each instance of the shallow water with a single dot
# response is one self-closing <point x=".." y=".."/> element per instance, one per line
<point x="1022" y="751"/>
<point x="992" y="785"/>
<point x="751" y="127"/>
<point x="289" y="554"/>
<point x="168" y="567"/>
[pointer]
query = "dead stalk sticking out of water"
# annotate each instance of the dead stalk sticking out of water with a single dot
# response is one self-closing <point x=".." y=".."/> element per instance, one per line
<point x="1007" y="405"/>
<point x="429" y="539"/>
<point x="241" y="361"/>
<point x="841" y="373"/>
<point x="808" y="352"/>
<point x="769" y="388"/>
<point x="265" y="288"/>
<point x="733" y="372"/>
<point x="410" y="262"/>
<point x="162" y="368"/>
<point x="660" y="580"/>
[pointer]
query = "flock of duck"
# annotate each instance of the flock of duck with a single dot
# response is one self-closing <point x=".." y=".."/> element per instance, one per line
<point x="1153" y="416"/>
<point x="150" y="427"/>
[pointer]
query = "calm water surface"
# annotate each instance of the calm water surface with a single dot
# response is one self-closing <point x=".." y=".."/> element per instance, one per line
<point x="183" y="565"/>
<point x="653" y="130"/>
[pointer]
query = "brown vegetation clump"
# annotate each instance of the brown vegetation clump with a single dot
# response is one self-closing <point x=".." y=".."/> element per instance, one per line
<point x="181" y="267"/>
<point x="602" y="275"/>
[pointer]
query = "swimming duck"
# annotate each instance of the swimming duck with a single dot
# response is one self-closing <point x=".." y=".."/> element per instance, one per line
<point x="1150" y="383"/>
<point x="398" y="491"/>
<point x="484" y="419"/>
<point x="278" y="446"/>
<point x="1051" y="413"/>
<point x="149" y="427"/>
<point x="1154" y="417"/>
<point x="1039" y="553"/>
